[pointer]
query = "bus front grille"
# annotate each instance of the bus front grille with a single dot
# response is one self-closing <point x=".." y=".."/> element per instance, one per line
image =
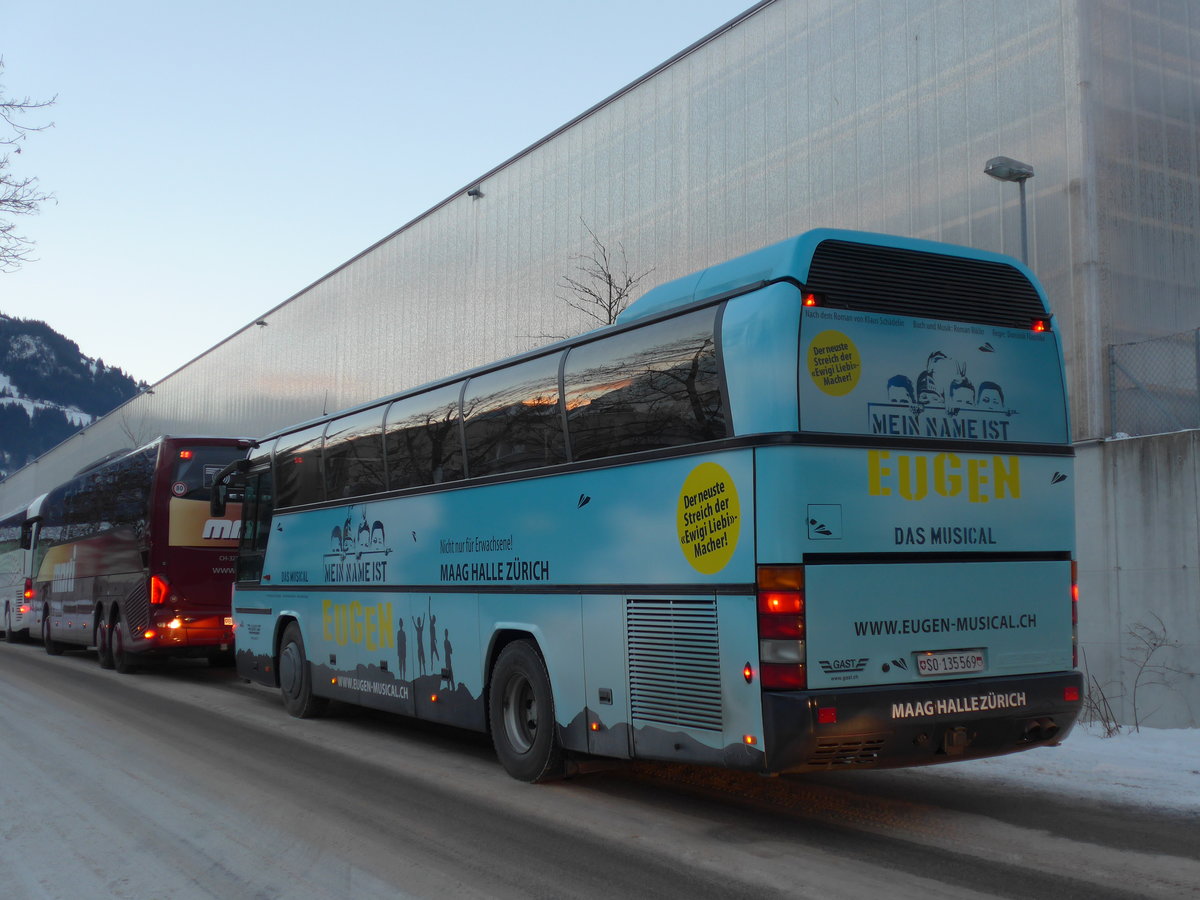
<point x="674" y="663"/>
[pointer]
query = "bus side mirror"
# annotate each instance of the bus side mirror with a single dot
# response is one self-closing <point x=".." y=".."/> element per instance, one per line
<point x="228" y="487"/>
<point x="27" y="535"/>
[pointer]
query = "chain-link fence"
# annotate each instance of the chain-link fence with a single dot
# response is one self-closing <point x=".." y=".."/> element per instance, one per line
<point x="1154" y="385"/>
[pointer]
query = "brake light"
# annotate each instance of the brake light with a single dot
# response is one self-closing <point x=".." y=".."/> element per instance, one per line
<point x="158" y="590"/>
<point x="185" y="454"/>
<point x="1039" y="325"/>
<point x="781" y="628"/>
<point x="28" y="593"/>
<point x="812" y="300"/>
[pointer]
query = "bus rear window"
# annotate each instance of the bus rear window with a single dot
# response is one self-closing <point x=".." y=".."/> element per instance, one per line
<point x="195" y="468"/>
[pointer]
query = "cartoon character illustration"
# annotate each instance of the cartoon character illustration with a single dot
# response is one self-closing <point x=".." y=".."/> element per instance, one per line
<point x="419" y="625"/>
<point x="991" y="396"/>
<point x="433" y="650"/>
<point x="402" y="649"/>
<point x="377" y="535"/>
<point x="448" y="671"/>
<point x="336" y="540"/>
<point x="962" y="394"/>
<point x="900" y="390"/>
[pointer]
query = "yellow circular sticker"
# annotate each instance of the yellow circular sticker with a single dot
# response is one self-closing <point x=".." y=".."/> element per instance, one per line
<point x="709" y="518"/>
<point x="834" y="363"/>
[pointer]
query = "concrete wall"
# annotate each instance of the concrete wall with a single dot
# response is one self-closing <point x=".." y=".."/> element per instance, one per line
<point x="1138" y="502"/>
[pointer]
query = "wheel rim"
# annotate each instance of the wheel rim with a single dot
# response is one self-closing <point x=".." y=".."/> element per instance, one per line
<point x="118" y="643"/>
<point x="290" y="662"/>
<point x="520" y="713"/>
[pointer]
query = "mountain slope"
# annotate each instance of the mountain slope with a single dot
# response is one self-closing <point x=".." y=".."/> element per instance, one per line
<point x="49" y="390"/>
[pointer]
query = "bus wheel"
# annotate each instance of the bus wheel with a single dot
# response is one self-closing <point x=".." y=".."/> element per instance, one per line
<point x="521" y="715"/>
<point x="10" y="636"/>
<point x="295" y="679"/>
<point x="53" y="647"/>
<point x="103" y="650"/>
<point x="122" y="660"/>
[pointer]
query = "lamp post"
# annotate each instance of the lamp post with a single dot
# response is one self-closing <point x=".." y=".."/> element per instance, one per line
<point x="1004" y="169"/>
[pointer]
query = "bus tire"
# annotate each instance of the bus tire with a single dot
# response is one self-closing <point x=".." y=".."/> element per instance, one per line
<point x="122" y="659"/>
<point x="521" y="715"/>
<point x="52" y="647"/>
<point x="100" y="636"/>
<point x="295" y="678"/>
<point x="10" y="636"/>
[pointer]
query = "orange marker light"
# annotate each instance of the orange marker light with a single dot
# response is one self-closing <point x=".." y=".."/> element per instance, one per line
<point x="1040" y="325"/>
<point x="749" y="740"/>
<point x="185" y="454"/>
<point x="811" y="300"/>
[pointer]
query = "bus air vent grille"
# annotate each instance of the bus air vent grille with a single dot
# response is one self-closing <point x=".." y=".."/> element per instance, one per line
<point x="836" y="753"/>
<point x="674" y="663"/>
<point x="923" y="285"/>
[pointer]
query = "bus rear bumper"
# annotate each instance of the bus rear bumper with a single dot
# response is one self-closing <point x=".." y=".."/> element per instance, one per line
<point x="184" y="636"/>
<point x="917" y="724"/>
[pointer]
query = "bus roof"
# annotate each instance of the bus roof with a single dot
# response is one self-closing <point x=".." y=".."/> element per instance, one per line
<point x="789" y="259"/>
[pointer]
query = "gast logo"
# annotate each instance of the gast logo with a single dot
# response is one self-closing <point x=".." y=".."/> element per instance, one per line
<point x="837" y="666"/>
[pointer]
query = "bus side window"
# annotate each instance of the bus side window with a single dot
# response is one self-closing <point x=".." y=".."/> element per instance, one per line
<point x="298" y="467"/>
<point x="652" y="387"/>
<point x="353" y="460"/>
<point x="422" y="439"/>
<point x="512" y="418"/>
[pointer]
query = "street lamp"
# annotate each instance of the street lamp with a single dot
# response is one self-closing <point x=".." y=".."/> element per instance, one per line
<point x="1004" y="169"/>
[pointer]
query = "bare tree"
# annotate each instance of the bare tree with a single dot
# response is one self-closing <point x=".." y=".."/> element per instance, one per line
<point x="601" y="285"/>
<point x="19" y="196"/>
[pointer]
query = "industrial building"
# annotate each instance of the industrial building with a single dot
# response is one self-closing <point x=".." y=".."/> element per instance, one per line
<point x="863" y="114"/>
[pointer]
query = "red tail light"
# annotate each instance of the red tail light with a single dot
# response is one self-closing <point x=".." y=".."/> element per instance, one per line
<point x="1040" y="325"/>
<point x="159" y="589"/>
<point x="811" y="299"/>
<point x="781" y="630"/>
<point x="28" y="594"/>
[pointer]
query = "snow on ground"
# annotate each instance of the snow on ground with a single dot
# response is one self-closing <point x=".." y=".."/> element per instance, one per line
<point x="1153" y="768"/>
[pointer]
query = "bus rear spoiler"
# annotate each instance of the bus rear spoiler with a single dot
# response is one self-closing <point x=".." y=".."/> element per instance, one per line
<point x="233" y="475"/>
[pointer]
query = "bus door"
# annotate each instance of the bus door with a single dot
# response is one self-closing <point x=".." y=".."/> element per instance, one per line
<point x="605" y="682"/>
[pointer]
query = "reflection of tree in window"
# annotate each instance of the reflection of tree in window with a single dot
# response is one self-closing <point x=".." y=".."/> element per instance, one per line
<point x="298" y="465"/>
<point x="354" y="455"/>
<point x="513" y="420"/>
<point x="422" y="440"/>
<point x="652" y="387"/>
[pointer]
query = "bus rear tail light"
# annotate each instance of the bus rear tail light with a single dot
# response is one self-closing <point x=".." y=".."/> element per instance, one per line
<point x="811" y="299"/>
<point x="1074" y="614"/>
<point x="28" y="593"/>
<point x="1040" y="325"/>
<point x="159" y="589"/>
<point x="781" y="629"/>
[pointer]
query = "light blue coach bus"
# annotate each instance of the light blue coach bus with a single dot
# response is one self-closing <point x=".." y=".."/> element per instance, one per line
<point x="807" y="509"/>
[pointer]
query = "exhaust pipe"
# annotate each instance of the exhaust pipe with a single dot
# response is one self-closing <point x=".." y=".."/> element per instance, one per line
<point x="1038" y="730"/>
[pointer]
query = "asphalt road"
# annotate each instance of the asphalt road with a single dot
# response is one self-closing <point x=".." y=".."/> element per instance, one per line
<point x="185" y="782"/>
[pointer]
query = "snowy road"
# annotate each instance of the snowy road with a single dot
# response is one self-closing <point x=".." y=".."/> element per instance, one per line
<point x="187" y="783"/>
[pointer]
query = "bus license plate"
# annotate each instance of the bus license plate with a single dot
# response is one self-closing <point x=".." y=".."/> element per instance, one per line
<point x="950" y="662"/>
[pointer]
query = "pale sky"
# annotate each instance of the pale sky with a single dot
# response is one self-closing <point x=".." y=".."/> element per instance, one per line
<point x="209" y="161"/>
